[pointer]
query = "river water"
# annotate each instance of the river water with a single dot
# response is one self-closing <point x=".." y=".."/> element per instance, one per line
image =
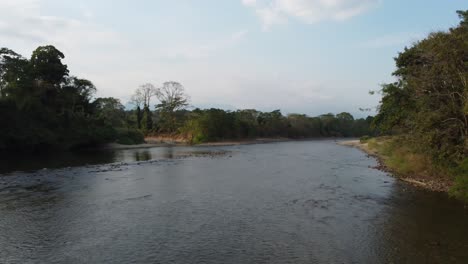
<point x="292" y="202"/>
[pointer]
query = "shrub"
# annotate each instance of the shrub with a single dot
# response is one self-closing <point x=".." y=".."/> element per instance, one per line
<point x="460" y="188"/>
<point x="364" y="139"/>
<point x="129" y="136"/>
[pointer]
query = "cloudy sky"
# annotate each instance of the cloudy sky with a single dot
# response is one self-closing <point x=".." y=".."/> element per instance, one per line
<point x="307" y="56"/>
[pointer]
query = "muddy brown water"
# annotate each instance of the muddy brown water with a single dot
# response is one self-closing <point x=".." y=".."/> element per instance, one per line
<point x="291" y="202"/>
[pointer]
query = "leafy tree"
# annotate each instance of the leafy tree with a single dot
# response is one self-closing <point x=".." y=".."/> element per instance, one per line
<point x="46" y="65"/>
<point x="428" y="106"/>
<point x="110" y="110"/>
<point x="429" y="102"/>
<point x="43" y="107"/>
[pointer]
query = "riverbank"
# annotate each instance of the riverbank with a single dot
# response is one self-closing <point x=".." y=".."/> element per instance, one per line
<point x="152" y="142"/>
<point x="415" y="169"/>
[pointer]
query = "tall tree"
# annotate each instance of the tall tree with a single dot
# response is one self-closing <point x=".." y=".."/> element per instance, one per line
<point x="172" y="97"/>
<point x="47" y="66"/>
<point x="141" y="98"/>
<point x="429" y="103"/>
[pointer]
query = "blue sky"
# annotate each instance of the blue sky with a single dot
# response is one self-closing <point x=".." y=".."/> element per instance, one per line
<point x="307" y="56"/>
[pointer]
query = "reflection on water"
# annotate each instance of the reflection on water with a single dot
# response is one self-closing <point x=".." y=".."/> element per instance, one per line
<point x="142" y="155"/>
<point x="16" y="162"/>
<point x="306" y="202"/>
<point x="13" y="163"/>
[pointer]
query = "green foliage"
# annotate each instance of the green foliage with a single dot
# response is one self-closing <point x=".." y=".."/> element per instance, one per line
<point x="129" y="136"/>
<point x="110" y="110"/>
<point x="42" y="107"/>
<point x="46" y="65"/>
<point x="428" y="106"/>
<point x="429" y="102"/>
<point x="172" y="100"/>
<point x="460" y="189"/>
<point x="216" y="124"/>
<point x="364" y="139"/>
<point x="147" y="121"/>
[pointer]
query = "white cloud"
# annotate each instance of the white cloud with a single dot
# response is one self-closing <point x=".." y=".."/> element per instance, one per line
<point x="273" y="12"/>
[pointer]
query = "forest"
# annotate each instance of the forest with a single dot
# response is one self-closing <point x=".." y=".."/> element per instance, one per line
<point x="43" y="106"/>
<point x="426" y="109"/>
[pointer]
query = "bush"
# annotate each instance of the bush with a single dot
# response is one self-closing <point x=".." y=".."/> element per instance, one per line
<point x="364" y="139"/>
<point x="129" y="136"/>
<point x="460" y="188"/>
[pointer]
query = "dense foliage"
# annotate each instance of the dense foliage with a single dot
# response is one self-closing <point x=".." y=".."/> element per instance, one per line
<point x="428" y="106"/>
<point x="216" y="124"/>
<point x="171" y="117"/>
<point x="42" y="106"/>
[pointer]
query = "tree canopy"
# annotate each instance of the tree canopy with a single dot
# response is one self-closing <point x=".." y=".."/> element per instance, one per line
<point x="42" y="106"/>
<point x="427" y="107"/>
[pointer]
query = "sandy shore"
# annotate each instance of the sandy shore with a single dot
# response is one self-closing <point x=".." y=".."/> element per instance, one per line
<point x="421" y="180"/>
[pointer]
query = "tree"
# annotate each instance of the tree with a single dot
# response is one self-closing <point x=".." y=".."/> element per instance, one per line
<point x="429" y="103"/>
<point x="139" y="116"/>
<point x="47" y="66"/>
<point x="141" y="98"/>
<point x="7" y="59"/>
<point x="172" y="98"/>
<point x="76" y="94"/>
<point x="111" y="111"/>
<point x="146" y="120"/>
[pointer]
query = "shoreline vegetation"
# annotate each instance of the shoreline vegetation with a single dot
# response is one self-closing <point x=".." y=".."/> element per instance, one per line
<point x="404" y="164"/>
<point x="154" y="141"/>
<point x="422" y="117"/>
<point x="44" y="108"/>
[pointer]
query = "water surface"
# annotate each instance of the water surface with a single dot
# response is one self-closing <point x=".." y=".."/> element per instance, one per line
<point x="292" y="202"/>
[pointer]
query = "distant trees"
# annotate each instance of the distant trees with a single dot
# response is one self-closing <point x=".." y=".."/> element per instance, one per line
<point x="216" y="124"/>
<point x="142" y="98"/>
<point x="172" y="98"/>
<point x="42" y="107"/>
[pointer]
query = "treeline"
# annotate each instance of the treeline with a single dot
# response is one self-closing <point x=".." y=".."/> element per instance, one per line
<point x="427" y="108"/>
<point x="217" y="124"/>
<point x="170" y="117"/>
<point x="42" y="106"/>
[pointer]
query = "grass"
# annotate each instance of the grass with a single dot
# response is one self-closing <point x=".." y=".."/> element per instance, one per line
<point x="410" y="165"/>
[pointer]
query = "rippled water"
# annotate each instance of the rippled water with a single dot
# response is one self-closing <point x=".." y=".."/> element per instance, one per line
<point x="294" y="202"/>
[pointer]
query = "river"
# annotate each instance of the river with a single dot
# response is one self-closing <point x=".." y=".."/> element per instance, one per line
<point x="291" y="202"/>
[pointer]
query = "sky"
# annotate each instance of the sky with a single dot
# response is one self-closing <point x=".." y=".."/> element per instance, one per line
<point x="300" y="56"/>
